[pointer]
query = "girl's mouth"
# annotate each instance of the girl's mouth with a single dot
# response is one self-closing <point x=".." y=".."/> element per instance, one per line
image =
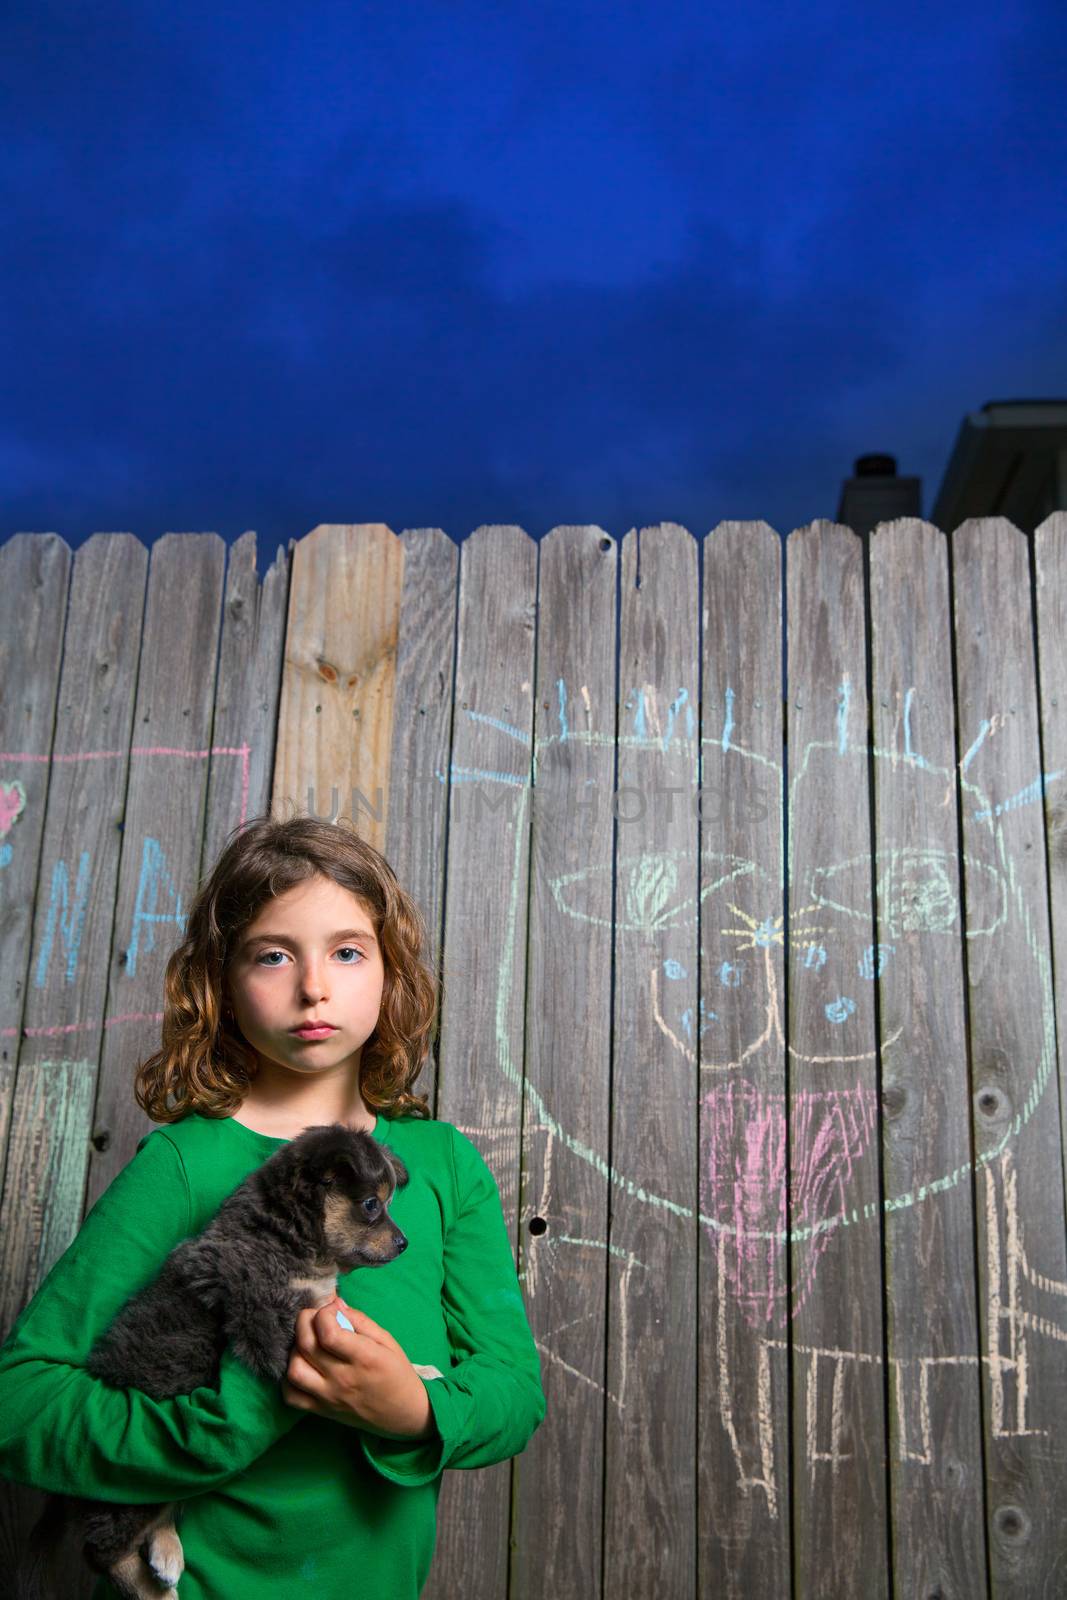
<point x="319" y="1031"/>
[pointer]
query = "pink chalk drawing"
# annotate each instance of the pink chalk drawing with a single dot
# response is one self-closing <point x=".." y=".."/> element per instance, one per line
<point x="12" y="805"/>
<point x="743" y="1184"/>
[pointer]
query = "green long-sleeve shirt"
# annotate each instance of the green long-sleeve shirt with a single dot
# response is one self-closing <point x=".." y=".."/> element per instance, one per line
<point x="278" y="1502"/>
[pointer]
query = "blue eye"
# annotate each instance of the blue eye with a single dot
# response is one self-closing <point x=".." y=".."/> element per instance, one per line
<point x="261" y="959"/>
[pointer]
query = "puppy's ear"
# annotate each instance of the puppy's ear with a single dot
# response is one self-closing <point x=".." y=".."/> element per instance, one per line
<point x="398" y="1167"/>
<point x="340" y="1168"/>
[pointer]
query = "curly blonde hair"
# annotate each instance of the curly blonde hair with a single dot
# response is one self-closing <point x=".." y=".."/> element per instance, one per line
<point x="205" y="1064"/>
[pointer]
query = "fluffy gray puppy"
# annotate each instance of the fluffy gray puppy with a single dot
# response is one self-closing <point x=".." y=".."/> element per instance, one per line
<point x="316" y="1208"/>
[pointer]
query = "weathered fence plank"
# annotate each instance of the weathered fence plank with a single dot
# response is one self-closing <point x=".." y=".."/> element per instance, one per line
<point x="650" y="1511"/>
<point x="935" y="1421"/>
<point x="480" y="1060"/>
<point x="34" y="575"/>
<point x="839" y="1464"/>
<point x="162" y="833"/>
<point x="246" y="695"/>
<point x="422" y="736"/>
<point x="1050" y="559"/>
<point x="48" y="1151"/>
<point x="1022" y="1252"/>
<point x="744" y="1501"/>
<point x="45" y="1104"/>
<point x="559" y="1503"/>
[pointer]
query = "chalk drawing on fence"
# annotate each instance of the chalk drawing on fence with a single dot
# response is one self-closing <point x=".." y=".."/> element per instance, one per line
<point x="832" y="1129"/>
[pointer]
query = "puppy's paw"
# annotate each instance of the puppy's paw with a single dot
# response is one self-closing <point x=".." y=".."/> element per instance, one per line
<point x="165" y="1556"/>
<point x="134" y="1580"/>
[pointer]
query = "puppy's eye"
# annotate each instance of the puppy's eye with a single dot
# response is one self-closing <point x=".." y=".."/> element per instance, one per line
<point x="372" y="1207"/>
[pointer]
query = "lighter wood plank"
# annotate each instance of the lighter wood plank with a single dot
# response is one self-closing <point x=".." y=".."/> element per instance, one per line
<point x="336" y="719"/>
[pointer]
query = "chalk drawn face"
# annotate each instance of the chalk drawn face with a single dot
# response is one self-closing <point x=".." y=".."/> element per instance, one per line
<point x="739" y="1031"/>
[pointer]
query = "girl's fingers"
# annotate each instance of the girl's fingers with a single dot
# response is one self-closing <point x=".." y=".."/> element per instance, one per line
<point x="297" y="1397"/>
<point x="329" y="1330"/>
<point x="317" y="1328"/>
<point x="304" y="1333"/>
<point x="359" y="1323"/>
<point x="303" y="1375"/>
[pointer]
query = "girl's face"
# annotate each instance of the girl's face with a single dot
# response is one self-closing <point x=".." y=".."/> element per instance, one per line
<point x="310" y="955"/>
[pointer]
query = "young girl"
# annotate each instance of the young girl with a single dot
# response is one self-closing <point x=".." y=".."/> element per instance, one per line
<point x="297" y="997"/>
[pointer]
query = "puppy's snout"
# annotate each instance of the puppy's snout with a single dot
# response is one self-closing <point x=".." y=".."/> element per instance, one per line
<point x="382" y="1243"/>
<point x="394" y="1244"/>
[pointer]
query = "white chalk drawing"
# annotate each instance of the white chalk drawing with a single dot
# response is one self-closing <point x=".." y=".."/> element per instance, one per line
<point x="744" y="1209"/>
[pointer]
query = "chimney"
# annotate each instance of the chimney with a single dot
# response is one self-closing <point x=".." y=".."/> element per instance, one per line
<point x="875" y="494"/>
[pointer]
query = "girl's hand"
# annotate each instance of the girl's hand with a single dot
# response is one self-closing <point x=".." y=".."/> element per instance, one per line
<point x="361" y="1378"/>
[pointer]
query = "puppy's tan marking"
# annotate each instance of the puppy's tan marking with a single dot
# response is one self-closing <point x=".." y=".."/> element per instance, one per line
<point x="321" y="1289"/>
<point x="340" y="1219"/>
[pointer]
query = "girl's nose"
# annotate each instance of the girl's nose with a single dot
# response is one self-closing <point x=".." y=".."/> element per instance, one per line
<point x="313" y="984"/>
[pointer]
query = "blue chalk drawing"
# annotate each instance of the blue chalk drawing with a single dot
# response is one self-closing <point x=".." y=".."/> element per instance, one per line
<point x="154" y="880"/>
<point x="71" y="918"/>
<point x="815" y="956"/>
<point x="473" y="774"/>
<point x="909" y="753"/>
<point x="705" y="1014"/>
<point x="728" y="726"/>
<point x="639" y="718"/>
<point x="1024" y="797"/>
<point x="505" y="727"/>
<point x="844" y="695"/>
<point x="839" y="1009"/>
<point x="674" y="969"/>
<point x="676" y="705"/>
<point x="871" y="963"/>
<point x="731" y="973"/>
<point x="976" y="746"/>
<point x="562" y="689"/>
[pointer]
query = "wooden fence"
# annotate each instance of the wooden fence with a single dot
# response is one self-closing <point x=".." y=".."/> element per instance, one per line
<point x="750" y="1002"/>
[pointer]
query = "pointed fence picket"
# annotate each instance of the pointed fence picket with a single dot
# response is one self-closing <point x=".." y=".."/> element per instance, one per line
<point x="744" y="869"/>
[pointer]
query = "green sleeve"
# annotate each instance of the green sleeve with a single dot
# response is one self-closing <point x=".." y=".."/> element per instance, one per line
<point x="486" y="1408"/>
<point x="65" y="1431"/>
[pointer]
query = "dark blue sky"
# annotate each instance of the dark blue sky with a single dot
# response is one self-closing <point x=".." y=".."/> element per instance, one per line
<point x="441" y="264"/>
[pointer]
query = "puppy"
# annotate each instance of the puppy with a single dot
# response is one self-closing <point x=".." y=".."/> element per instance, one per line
<point x="316" y="1208"/>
